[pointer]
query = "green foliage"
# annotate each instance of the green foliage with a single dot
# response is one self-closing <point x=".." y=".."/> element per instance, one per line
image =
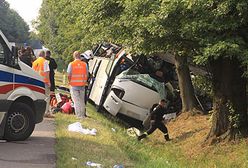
<point x="201" y="29"/>
<point x="12" y="25"/>
<point x="233" y="117"/>
<point x="202" y="85"/>
<point x="220" y="29"/>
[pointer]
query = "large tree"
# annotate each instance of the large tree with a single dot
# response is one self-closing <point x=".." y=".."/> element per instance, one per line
<point x="12" y="25"/>
<point x="221" y="31"/>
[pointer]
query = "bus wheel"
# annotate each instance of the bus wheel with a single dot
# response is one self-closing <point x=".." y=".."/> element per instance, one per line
<point x="20" y="122"/>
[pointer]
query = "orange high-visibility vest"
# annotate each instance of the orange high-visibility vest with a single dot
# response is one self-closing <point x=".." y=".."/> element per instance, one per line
<point x="38" y="66"/>
<point x="78" y="73"/>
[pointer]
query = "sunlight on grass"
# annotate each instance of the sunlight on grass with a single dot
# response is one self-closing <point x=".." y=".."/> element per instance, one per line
<point x="110" y="148"/>
<point x="107" y="147"/>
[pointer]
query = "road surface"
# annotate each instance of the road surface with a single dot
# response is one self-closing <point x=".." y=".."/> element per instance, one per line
<point x="35" y="152"/>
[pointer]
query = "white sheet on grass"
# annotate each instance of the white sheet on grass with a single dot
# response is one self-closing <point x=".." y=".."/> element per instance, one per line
<point x="77" y="127"/>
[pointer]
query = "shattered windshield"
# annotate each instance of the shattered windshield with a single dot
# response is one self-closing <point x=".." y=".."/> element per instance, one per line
<point x="144" y="80"/>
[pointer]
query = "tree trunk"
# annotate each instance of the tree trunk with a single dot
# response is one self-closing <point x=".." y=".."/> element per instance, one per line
<point x="185" y="84"/>
<point x="230" y="107"/>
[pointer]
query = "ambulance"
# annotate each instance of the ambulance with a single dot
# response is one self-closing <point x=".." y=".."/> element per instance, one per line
<point x="22" y="95"/>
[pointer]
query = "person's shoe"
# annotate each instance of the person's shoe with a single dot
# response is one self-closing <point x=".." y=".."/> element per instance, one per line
<point x="141" y="137"/>
<point x="166" y="137"/>
<point x="81" y="118"/>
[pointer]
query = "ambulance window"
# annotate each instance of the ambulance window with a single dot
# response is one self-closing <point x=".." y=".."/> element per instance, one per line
<point x="1" y="54"/>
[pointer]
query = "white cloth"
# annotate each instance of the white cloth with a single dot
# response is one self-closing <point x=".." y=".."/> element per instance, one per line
<point x="78" y="100"/>
<point x="77" y="127"/>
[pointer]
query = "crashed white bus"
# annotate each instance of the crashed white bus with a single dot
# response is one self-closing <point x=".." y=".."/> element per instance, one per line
<point x="123" y="84"/>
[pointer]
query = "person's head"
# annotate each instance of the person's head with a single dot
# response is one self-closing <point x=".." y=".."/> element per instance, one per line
<point x="41" y="53"/>
<point x="76" y="55"/>
<point x="162" y="103"/>
<point x="48" y="54"/>
<point x="87" y="55"/>
<point x="30" y="50"/>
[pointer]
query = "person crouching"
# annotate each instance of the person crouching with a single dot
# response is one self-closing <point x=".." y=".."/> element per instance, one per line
<point x="157" y="121"/>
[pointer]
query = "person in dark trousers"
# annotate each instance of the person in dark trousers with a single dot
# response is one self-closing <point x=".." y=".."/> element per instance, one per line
<point x="85" y="57"/>
<point x="157" y="121"/>
<point x="52" y="66"/>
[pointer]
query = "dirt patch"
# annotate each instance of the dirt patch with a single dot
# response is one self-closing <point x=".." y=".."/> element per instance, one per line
<point x="189" y="132"/>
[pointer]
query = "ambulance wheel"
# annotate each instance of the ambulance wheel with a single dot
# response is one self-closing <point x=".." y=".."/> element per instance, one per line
<point x="20" y="122"/>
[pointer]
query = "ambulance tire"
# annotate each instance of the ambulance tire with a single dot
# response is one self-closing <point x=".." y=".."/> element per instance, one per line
<point x="20" y="122"/>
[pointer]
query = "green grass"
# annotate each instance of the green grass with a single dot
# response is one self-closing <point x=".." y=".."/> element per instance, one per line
<point x="107" y="147"/>
<point x="110" y="148"/>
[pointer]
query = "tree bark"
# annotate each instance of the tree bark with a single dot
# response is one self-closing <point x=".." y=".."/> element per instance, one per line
<point x="230" y="106"/>
<point x="186" y="88"/>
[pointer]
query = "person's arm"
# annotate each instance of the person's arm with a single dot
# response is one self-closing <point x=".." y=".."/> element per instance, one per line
<point x="69" y="69"/>
<point x="47" y="72"/>
<point x="154" y="112"/>
<point x="87" y="71"/>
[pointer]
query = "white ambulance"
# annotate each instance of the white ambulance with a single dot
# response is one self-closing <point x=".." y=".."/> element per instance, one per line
<point x="22" y="95"/>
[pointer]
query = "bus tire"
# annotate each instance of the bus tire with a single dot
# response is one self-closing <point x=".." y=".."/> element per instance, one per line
<point x="20" y="122"/>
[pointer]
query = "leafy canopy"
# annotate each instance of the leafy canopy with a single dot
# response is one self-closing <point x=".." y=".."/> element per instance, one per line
<point x="200" y="29"/>
<point x="12" y="25"/>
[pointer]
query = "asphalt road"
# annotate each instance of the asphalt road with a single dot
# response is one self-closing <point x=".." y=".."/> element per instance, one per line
<point x="35" y="152"/>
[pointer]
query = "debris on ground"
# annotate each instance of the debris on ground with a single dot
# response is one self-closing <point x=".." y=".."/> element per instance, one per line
<point x="133" y="132"/>
<point x="92" y="164"/>
<point x="73" y="158"/>
<point x="118" y="166"/>
<point x="77" y="127"/>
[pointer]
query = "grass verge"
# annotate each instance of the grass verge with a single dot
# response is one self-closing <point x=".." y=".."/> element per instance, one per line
<point x="110" y="148"/>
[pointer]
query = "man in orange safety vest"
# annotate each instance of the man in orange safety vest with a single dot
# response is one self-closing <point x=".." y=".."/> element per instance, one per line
<point x="77" y="77"/>
<point x="41" y="65"/>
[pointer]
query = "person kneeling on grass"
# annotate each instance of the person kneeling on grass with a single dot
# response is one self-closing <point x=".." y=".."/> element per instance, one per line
<point x="157" y="121"/>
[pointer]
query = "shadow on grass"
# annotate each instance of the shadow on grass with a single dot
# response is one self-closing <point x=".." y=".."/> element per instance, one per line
<point x="119" y="119"/>
<point x="188" y="134"/>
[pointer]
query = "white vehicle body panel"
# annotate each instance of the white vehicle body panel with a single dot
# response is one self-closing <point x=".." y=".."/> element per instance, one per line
<point x="113" y="104"/>
<point x="99" y="84"/>
<point x="137" y="100"/>
<point x="137" y="94"/>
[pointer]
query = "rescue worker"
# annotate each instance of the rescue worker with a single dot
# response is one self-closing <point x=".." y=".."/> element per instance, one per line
<point x="41" y="65"/>
<point x="85" y="57"/>
<point x="77" y="77"/>
<point x="157" y="121"/>
<point x="52" y="66"/>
